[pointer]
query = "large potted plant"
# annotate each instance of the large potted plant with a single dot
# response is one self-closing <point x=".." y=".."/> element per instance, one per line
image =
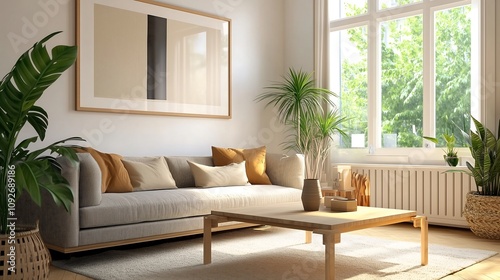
<point x="482" y="208"/>
<point x="312" y="118"/>
<point x="23" y="171"/>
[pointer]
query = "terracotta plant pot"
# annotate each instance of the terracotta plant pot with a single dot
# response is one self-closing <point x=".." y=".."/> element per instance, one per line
<point x="482" y="213"/>
<point x="311" y="195"/>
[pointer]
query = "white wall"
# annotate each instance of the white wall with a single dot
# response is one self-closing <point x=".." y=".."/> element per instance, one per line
<point x="299" y="39"/>
<point x="257" y="57"/>
<point x="497" y="61"/>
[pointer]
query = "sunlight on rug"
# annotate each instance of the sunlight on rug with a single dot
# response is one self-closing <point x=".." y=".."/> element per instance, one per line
<point x="274" y="253"/>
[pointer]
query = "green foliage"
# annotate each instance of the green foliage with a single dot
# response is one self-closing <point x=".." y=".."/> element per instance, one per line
<point x="450" y="141"/>
<point x="401" y="76"/>
<point x="34" y="170"/>
<point x="453" y="70"/>
<point x="402" y="80"/>
<point x="295" y="97"/>
<point x="300" y="106"/>
<point x="354" y="97"/>
<point x="316" y="137"/>
<point x="485" y="149"/>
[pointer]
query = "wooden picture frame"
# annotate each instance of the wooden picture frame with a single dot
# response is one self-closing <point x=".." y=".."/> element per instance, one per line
<point x="146" y="57"/>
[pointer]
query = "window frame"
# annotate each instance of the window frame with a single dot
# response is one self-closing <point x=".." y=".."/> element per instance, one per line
<point x="482" y="12"/>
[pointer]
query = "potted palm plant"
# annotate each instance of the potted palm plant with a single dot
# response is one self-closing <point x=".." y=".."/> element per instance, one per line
<point x="450" y="154"/>
<point x="301" y="106"/>
<point x="25" y="171"/>
<point x="482" y="208"/>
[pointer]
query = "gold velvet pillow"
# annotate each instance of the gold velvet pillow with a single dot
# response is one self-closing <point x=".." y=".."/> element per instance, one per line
<point x="255" y="162"/>
<point x="115" y="177"/>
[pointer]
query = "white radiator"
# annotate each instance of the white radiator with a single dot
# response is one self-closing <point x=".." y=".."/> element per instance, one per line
<point x="429" y="190"/>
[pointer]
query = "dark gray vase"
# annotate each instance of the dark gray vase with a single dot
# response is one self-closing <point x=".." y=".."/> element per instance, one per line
<point x="311" y="195"/>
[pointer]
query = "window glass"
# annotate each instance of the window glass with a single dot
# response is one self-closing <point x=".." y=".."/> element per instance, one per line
<point x="404" y="73"/>
<point x="339" y="9"/>
<point x="385" y="4"/>
<point x="401" y="82"/>
<point x="349" y="80"/>
<point x="453" y="71"/>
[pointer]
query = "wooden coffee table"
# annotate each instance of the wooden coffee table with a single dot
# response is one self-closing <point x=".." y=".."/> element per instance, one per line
<point x="329" y="224"/>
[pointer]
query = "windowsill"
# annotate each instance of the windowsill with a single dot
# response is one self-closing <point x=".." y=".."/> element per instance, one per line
<point x="409" y="156"/>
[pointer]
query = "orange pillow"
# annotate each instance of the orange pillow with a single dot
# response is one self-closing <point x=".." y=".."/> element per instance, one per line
<point x="255" y="162"/>
<point x="115" y="177"/>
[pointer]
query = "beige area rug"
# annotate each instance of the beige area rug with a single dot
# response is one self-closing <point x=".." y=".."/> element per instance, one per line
<point x="272" y="254"/>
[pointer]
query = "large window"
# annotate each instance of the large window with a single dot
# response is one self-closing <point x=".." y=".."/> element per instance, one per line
<point x="401" y="81"/>
<point x="349" y="78"/>
<point x="402" y="69"/>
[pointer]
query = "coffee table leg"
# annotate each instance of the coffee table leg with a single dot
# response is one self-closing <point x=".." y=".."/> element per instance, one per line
<point x="207" y="240"/>
<point x="308" y="236"/>
<point x="421" y="222"/>
<point x="329" y="242"/>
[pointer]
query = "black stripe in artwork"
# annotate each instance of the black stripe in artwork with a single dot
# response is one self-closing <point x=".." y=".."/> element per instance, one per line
<point x="157" y="61"/>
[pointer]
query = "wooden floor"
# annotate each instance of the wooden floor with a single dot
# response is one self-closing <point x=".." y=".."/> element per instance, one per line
<point x="488" y="269"/>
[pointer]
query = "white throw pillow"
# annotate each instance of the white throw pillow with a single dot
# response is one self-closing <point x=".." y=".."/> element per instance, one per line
<point x="233" y="174"/>
<point x="286" y="170"/>
<point x="149" y="174"/>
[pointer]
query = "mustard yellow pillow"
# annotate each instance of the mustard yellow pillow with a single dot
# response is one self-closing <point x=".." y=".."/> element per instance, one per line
<point x="150" y="174"/>
<point x="219" y="176"/>
<point x="255" y="162"/>
<point x="115" y="177"/>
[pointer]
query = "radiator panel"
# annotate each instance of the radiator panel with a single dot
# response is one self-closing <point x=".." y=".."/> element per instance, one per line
<point x="430" y="191"/>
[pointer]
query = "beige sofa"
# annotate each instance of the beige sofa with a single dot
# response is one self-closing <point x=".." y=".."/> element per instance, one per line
<point x="99" y="220"/>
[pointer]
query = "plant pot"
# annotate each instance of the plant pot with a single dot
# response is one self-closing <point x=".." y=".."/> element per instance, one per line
<point x="451" y="161"/>
<point x="482" y="213"/>
<point x="311" y="195"/>
<point x="31" y="257"/>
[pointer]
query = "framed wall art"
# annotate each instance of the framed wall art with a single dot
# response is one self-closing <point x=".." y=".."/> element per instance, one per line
<point x="147" y="57"/>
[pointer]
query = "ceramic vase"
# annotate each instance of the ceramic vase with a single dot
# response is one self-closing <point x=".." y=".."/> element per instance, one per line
<point x="311" y="195"/>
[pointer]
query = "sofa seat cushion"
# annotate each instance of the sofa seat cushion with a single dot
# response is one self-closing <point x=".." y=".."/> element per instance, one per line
<point x="137" y="207"/>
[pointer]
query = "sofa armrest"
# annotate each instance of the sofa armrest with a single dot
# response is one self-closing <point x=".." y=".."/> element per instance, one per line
<point x="57" y="226"/>
<point x="90" y="181"/>
<point x="287" y="171"/>
<point x="61" y="228"/>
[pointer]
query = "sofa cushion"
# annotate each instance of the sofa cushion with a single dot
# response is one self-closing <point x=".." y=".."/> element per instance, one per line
<point x="286" y="170"/>
<point x="233" y="174"/>
<point x="255" y="161"/>
<point x="114" y="175"/>
<point x="181" y="172"/>
<point x="136" y="207"/>
<point x="151" y="173"/>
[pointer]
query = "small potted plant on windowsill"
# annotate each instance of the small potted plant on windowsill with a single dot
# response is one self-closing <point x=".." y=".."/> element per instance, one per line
<point x="450" y="155"/>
